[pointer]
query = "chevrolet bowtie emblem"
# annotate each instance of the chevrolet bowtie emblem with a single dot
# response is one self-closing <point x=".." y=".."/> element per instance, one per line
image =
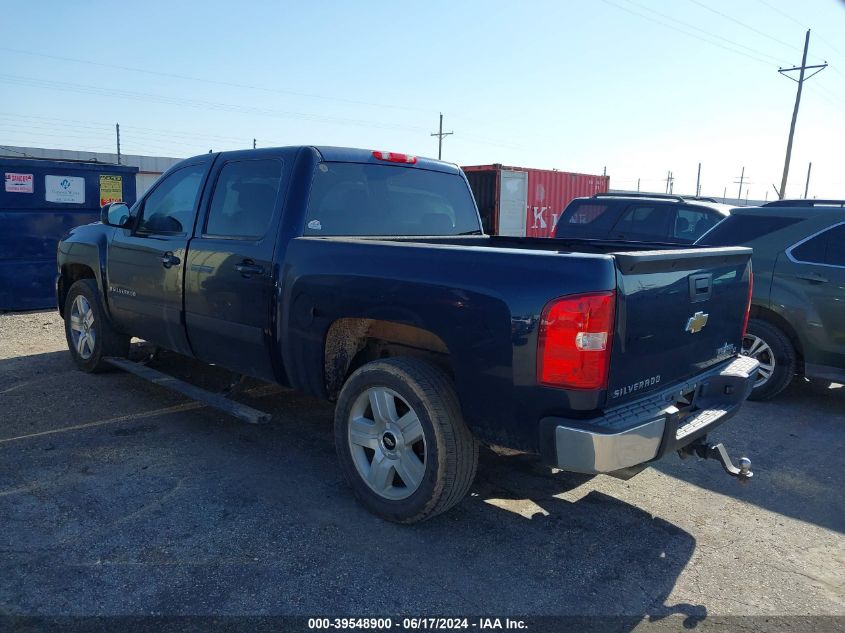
<point x="696" y="322"/>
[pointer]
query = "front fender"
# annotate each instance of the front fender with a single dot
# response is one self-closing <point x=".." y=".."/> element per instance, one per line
<point x="83" y="253"/>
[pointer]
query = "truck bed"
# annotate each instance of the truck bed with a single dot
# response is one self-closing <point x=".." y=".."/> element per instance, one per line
<point x="484" y="296"/>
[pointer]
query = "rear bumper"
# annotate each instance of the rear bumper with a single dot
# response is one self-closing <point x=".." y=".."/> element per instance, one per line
<point x="648" y="428"/>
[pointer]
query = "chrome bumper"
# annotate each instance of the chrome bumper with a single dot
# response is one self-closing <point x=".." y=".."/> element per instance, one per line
<point x="648" y="428"/>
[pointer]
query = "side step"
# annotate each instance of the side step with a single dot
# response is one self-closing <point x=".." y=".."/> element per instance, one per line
<point x="235" y="409"/>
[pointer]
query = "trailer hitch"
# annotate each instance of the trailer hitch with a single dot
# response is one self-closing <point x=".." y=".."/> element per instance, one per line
<point x="705" y="450"/>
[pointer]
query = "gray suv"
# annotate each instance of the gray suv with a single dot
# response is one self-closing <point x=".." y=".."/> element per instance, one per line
<point x="797" y="324"/>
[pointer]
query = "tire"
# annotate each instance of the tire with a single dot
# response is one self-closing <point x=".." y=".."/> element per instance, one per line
<point x="420" y="420"/>
<point x="772" y="347"/>
<point x="90" y="335"/>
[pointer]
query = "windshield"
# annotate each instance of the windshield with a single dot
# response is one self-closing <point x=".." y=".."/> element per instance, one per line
<point x="363" y="199"/>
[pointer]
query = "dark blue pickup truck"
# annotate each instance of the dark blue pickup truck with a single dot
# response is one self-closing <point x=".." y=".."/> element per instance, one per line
<point x="364" y="277"/>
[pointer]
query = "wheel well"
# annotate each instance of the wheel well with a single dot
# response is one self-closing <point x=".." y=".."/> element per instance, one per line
<point x="351" y="343"/>
<point x="71" y="273"/>
<point x="784" y="326"/>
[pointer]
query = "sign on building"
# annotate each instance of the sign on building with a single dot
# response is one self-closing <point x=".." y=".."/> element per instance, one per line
<point x="111" y="189"/>
<point x="64" y="189"/>
<point x="18" y="183"/>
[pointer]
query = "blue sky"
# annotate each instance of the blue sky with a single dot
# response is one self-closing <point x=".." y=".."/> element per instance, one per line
<point x="637" y="86"/>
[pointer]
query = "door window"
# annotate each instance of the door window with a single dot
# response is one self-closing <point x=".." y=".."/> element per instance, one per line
<point x="170" y="208"/>
<point x="244" y="199"/>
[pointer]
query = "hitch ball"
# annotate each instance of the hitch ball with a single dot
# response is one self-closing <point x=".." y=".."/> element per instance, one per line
<point x="744" y="466"/>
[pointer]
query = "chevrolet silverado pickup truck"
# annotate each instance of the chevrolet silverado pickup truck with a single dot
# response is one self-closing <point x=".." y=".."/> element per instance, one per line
<point x="363" y="277"/>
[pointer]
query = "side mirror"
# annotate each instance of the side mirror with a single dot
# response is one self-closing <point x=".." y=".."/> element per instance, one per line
<point x="115" y="214"/>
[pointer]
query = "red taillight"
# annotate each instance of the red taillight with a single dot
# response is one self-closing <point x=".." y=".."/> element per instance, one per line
<point x="748" y="305"/>
<point x="395" y="157"/>
<point x="574" y="341"/>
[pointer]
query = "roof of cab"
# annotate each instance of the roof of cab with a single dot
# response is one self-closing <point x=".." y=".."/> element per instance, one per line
<point x="354" y="155"/>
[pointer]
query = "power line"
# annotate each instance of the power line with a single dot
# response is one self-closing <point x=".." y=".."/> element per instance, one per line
<point x="710" y="34"/>
<point x="803" y="25"/>
<point x="216" y="82"/>
<point x="195" y="103"/>
<point x="791" y="47"/>
<point x="684" y="31"/>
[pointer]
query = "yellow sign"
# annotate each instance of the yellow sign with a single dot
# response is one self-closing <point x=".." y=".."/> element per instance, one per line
<point x="111" y="189"/>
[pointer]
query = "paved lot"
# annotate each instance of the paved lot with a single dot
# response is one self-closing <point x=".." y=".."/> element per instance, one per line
<point x="117" y="497"/>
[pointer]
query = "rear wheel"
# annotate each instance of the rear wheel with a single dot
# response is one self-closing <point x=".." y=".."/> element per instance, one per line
<point x="401" y="440"/>
<point x="90" y="335"/>
<point x="772" y="348"/>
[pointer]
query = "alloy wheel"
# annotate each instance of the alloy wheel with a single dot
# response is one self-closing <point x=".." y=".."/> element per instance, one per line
<point x="758" y="349"/>
<point x="387" y="443"/>
<point x="82" y="330"/>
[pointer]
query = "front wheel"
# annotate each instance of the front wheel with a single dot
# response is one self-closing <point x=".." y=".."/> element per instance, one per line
<point x="769" y="345"/>
<point x="401" y="440"/>
<point x="90" y="335"/>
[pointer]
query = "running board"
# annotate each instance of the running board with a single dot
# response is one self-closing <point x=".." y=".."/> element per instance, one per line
<point x="235" y="409"/>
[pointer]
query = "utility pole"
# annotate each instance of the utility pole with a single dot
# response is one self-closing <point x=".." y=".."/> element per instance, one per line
<point x="807" y="186"/>
<point x="253" y="143"/>
<point x="604" y="172"/>
<point x="725" y="194"/>
<point x="670" y="182"/>
<point x="117" y="131"/>
<point x="440" y="134"/>
<point x="698" y="182"/>
<point x="801" y="79"/>
<point x="741" y="179"/>
<point x="638" y="185"/>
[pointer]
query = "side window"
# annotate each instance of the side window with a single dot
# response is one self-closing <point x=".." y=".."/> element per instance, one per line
<point x="825" y="248"/>
<point x="646" y="222"/>
<point x="170" y="208"/>
<point x="693" y="222"/>
<point x="835" y="254"/>
<point x="244" y="199"/>
<point x="813" y="250"/>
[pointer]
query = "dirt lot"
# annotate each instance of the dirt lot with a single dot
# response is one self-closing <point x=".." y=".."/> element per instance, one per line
<point x="118" y="497"/>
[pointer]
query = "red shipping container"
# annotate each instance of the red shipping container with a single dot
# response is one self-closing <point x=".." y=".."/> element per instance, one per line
<point x="527" y="202"/>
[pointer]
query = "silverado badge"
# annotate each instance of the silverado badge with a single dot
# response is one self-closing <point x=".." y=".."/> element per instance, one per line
<point x="696" y="322"/>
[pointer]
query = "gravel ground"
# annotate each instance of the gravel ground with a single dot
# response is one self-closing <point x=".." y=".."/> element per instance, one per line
<point x="118" y="497"/>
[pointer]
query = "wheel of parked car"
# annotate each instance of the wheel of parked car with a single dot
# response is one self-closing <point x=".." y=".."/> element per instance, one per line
<point x="401" y="439"/>
<point x="769" y="345"/>
<point x="90" y="336"/>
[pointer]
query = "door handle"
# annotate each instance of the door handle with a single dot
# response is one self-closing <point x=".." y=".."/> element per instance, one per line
<point x="169" y="259"/>
<point x="815" y="278"/>
<point x="247" y="268"/>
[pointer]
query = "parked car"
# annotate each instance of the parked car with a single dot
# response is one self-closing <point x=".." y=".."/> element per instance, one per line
<point x="286" y="264"/>
<point x="797" y="324"/>
<point x="641" y="217"/>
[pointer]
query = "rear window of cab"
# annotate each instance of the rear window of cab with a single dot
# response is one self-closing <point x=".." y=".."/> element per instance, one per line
<point x="367" y="199"/>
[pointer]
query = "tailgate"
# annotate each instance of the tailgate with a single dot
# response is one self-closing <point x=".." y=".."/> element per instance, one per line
<point x="678" y="313"/>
